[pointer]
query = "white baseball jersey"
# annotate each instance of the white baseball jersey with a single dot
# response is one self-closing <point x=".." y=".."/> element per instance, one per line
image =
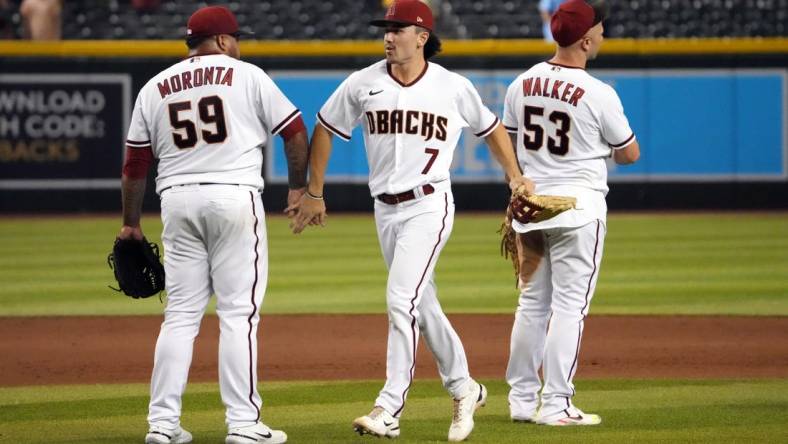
<point x="410" y="131"/>
<point x="566" y="122"/>
<point x="193" y="116"/>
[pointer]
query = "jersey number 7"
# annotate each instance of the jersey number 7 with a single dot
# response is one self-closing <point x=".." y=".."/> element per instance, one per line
<point x="211" y="111"/>
<point x="559" y="145"/>
<point x="433" y="153"/>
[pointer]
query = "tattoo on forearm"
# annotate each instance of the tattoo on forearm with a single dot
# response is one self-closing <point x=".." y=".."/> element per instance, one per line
<point x="133" y="191"/>
<point x="297" y="152"/>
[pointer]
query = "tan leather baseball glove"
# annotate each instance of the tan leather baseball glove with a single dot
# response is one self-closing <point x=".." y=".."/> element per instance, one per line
<point x="528" y="208"/>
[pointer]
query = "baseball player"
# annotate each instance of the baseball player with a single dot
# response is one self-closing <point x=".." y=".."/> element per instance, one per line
<point x="412" y="112"/>
<point x="207" y="119"/>
<point x="566" y="123"/>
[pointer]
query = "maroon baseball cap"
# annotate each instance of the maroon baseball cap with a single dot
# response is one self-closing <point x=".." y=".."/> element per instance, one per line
<point x="213" y="20"/>
<point x="407" y="12"/>
<point x="573" y="19"/>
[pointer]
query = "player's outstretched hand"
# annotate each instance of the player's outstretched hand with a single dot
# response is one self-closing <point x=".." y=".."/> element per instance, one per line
<point x="293" y="201"/>
<point x="522" y="181"/>
<point x="310" y="211"/>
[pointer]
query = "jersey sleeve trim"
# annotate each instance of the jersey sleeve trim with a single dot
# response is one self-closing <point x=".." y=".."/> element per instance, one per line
<point x="328" y="126"/>
<point x="489" y="130"/>
<point x="285" y="121"/>
<point x="291" y="129"/>
<point x="624" y="143"/>
<point x="137" y="143"/>
<point x="510" y="129"/>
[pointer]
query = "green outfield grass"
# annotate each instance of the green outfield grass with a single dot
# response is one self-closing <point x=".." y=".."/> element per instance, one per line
<point x="643" y="411"/>
<point x="653" y="264"/>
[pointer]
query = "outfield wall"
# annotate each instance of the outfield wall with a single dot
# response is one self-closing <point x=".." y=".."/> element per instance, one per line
<point x="710" y="116"/>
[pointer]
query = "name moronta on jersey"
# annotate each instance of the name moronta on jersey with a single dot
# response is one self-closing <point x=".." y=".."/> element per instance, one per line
<point x="567" y="122"/>
<point x="194" y="115"/>
<point x="410" y="130"/>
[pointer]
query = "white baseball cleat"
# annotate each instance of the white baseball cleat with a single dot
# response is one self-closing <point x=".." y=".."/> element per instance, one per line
<point x="160" y="435"/>
<point x="464" y="408"/>
<point x="520" y="417"/>
<point x="255" y="434"/>
<point x="523" y="410"/>
<point x="571" y="416"/>
<point x="378" y="423"/>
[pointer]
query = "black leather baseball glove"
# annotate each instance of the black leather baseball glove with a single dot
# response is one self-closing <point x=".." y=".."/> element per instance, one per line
<point x="137" y="266"/>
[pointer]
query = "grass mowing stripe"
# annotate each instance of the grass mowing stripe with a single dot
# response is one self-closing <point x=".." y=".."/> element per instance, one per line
<point x="653" y="264"/>
<point x="657" y="410"/>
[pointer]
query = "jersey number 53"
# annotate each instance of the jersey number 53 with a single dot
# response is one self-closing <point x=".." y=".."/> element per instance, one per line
<point x="533" y="136"/>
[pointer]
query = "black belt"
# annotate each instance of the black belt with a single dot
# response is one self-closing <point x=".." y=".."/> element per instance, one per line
<point x="199" y="183"/>
<point x="393" y="199"/>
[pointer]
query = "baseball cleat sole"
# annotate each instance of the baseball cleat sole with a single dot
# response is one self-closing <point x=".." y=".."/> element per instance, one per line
<point x="362" y="430"/>
<point x="524" y="420"/>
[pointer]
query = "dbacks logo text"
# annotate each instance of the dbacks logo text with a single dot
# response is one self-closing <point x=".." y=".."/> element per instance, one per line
<point x="400" y="121"/>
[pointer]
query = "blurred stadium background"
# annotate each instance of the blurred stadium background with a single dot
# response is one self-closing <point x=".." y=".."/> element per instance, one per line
<point x="460" y="19"/>
<point x="703" y="81"/>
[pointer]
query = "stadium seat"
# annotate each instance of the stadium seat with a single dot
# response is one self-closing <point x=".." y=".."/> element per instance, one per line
<point x="464" y="19"/>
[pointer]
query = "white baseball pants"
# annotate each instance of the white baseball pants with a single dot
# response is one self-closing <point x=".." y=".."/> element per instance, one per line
<point x="412" y="235"/>
<point x="215" y="243"/>
<point x="558" y="274"/>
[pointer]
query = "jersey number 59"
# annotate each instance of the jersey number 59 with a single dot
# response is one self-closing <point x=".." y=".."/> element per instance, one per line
<point x="533" y="136"/>
<point x="210" y="110"/>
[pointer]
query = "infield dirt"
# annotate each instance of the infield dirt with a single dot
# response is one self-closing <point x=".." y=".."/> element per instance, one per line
<point x="84" y="350"/>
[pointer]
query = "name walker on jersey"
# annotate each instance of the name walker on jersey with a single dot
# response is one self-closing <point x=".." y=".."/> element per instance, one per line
<point x="553" y="89"/>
